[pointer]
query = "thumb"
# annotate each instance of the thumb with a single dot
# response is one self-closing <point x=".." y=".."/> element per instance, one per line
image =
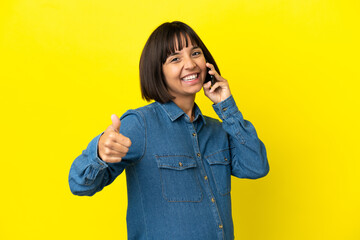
<point x="115" y="122"/>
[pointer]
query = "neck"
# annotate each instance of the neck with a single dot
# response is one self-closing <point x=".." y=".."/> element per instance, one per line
<point x="187" y="105"/>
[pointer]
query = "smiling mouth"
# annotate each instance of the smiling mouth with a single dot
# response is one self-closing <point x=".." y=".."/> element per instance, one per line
<point x="190" y="77"/>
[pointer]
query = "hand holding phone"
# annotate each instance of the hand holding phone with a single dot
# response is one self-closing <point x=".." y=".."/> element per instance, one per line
<point x="219" y="89"/>
<point x="210" y="77"/>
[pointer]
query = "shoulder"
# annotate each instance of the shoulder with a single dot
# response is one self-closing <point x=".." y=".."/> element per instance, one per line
<point x="139" y="115"/>
<point x="144" y="109"/>
<point x="148" y="112"/>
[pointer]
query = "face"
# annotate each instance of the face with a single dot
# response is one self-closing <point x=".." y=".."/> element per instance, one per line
<point x="185" y="71"/>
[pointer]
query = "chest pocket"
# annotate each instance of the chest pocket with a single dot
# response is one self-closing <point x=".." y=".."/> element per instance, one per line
<point x="178" y="178"/>
<point x="221" y="169"/>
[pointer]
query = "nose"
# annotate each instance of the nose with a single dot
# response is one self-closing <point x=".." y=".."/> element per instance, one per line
<point x="189" y="63"/>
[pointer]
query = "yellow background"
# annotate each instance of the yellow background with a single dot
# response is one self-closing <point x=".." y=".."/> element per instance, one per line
<point x="293" y="67"/>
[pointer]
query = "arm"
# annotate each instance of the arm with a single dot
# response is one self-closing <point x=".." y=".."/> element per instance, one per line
<point x="90" y="174"/>
<point x="248" y="153"/>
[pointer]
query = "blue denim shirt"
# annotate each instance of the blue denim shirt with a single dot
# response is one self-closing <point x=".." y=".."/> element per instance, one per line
<point x="178" y="172"/>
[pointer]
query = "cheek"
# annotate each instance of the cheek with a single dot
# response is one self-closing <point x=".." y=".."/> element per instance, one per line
<point x="171" y="74"/>
<point x="202" y="64"/>
<point x="170" y="71"/>
<point x="174" y="72"/>
<point x="203" y="69"/>
<point x="167" y="72"/>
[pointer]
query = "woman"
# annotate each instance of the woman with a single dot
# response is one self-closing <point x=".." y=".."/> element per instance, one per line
<point x="178" y="162"/>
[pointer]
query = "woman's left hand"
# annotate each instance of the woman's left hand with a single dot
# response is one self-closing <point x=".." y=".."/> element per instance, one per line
<point x="220" y="90"/>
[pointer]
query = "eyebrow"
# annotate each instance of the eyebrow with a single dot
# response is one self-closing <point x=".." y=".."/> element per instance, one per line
<point x="177" y="53"/>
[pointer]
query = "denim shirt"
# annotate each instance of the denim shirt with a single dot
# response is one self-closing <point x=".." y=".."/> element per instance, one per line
<point x="178" y="172"/>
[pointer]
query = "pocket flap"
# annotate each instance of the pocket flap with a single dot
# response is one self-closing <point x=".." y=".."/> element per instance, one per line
<point x="175" y="162"/>
<point x="221" y="157"/>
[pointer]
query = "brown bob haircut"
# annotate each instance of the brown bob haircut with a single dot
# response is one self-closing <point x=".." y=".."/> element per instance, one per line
<point x="161" y="43"/>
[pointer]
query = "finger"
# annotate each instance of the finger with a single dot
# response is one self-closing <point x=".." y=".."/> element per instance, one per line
<point x="216" y="86"/>
<point x="112" y="159"/>
<point x="116" y="149"/>
<point x="207" y="86"/>
<point x="213" y="72"/>
<point x="114" y="138"/>
<point x="212" y="68"/>
<point x="115" y="122"/>
<point x="121" y="139"/>
<point x="209" y="65"/>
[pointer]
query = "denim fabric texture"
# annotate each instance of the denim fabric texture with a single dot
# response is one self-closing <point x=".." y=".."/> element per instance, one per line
<point x="178" y="172"/>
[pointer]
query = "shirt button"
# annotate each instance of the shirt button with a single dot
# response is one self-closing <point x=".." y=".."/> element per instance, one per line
<point x="194" y="134"/>
<point x="225" y="158"/>
<point x="206" y="178"/>
<point x="180" y="164"/>
<point x="224" y="109"/>
<point x="220" y="226"/>
<point x="213" y="200"/>
<point x="198" y="154"/>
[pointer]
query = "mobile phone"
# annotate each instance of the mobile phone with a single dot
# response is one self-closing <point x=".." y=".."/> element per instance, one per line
<point x="210" y="77"/>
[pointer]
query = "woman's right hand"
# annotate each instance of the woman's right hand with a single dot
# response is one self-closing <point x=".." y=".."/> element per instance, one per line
<point x="113" y="146"/>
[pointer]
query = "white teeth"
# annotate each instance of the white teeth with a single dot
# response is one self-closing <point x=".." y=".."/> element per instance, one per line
<point x="189" y="78"/>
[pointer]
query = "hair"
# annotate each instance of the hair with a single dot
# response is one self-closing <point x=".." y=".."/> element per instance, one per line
<point x="165" y="40"/>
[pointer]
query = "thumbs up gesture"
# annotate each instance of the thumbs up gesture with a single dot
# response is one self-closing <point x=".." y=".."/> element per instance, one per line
<point x="112" y="145"/>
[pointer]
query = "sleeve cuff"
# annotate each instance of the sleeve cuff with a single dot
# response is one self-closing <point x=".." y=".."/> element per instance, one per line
<point x="226" y="108"/>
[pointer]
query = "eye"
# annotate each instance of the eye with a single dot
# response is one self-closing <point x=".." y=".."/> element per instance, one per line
<point x="174" y="59"/>
<point x="196" y="53"/>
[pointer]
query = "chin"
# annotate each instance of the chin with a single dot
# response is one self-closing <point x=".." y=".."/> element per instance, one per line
<point x="197" y="89"/>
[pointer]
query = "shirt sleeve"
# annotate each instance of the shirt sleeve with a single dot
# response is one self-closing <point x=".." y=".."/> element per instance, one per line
<point x="248" y="153"/>
<point x="90" y="174"/>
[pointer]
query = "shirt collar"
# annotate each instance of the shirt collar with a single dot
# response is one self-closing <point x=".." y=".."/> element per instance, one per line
<point x="174" y="112"/>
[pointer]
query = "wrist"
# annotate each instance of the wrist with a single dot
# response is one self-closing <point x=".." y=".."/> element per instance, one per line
<point x="226" y="108"/>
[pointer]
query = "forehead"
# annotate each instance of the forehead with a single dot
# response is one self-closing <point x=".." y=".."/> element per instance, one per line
<point x="176" y="42"/>
<point x="180" y="41"/>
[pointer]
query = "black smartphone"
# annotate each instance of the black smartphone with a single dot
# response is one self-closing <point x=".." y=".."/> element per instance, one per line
<point x="210" y="77"/>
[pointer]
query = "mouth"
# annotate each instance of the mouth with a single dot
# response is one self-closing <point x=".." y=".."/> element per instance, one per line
<point x="191" y="77"/>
